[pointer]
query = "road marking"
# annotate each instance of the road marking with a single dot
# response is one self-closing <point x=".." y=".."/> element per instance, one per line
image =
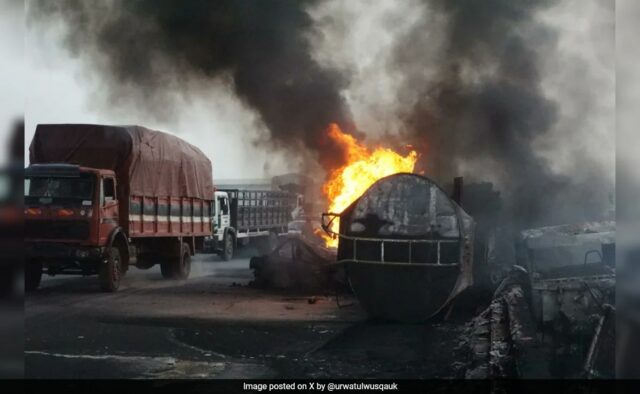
<point x="168" y="360"/>
<point x="208" y="353"/>
<point x="153" y="367"/>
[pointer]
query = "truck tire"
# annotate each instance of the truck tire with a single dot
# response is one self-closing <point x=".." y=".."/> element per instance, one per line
<point x="167" y="269"/>
<point x="227" y="247"/>
<point x="183" y="266"/>
<point x="110" y="273"/>
<point x="177" y="267"/>
<point x="32" y="275"/>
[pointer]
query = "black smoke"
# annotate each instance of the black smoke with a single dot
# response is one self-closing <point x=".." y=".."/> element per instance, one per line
<point x="483" y="107"/>
<point x="157" y="46"/>
<point x="476" y="110"/>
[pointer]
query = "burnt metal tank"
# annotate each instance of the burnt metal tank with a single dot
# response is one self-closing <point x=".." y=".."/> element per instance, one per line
<point x="406" y="247"/>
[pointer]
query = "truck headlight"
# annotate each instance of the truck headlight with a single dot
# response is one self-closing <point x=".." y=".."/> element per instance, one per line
<point x="82" y="254"/>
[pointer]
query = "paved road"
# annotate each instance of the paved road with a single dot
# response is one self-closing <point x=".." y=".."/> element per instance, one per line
<point x="214" y="326"/>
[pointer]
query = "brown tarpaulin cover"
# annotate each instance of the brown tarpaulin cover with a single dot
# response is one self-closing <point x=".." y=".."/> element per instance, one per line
<point x="146" y="162"/>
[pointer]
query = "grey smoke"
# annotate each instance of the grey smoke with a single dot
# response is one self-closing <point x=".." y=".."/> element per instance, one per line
<point x="159" y="46"/>
<point x="483" y="108"/>
<point x="471" y="97"/>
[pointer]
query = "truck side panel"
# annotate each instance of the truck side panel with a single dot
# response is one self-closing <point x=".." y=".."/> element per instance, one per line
<point x="168" y="217"/>
<point x="260" y="210"/>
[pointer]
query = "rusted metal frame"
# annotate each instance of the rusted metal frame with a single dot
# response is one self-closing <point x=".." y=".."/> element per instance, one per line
<point x="595" y="347"/>
<point x="333" y="216"/>
<point x="580" y="278"/>
<point x="409" y="241"/>
<point x="395" y="263"/>
<point x="432" y="241"/>
<point x="499" y="353"/>
<point x="327" y="227"/>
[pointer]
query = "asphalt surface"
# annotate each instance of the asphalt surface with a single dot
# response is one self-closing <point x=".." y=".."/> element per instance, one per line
<point x="213" y="325"/>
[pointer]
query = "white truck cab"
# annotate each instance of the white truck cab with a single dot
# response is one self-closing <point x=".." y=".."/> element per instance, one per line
<point x="221" y="219"/>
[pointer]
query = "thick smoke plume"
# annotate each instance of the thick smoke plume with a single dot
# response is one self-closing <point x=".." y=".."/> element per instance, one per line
<point x="157" y="46"/>
<point x="483" y="107"/>
<point x="471" y="100"/>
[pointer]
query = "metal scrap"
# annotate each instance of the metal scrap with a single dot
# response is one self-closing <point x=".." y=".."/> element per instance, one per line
<point x="500" y="336"/>
<point x="297" y="264"/>
<point x="601" y="357"/>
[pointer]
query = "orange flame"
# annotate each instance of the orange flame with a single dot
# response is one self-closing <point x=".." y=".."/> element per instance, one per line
<point x="363" y="169"/>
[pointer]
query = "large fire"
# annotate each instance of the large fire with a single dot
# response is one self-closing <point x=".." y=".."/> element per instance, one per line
<point x="363" y="168"/>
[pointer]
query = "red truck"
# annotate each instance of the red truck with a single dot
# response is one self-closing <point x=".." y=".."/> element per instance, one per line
<point x="99" y="199"/>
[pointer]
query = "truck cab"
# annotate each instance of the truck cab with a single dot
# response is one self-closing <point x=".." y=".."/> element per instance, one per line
<point x="221" y="219"/>
<point x="221" y="214"/>
<point x="71" y="213"/>
<point x="223" y="238"/>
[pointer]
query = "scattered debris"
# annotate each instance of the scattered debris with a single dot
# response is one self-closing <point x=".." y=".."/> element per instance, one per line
<point x="572" y="276"/>
<point x="497" y="340"/>
<point x="558" y="307"/>
<point x="298" y="264"/>
<point x="601" y="358"/>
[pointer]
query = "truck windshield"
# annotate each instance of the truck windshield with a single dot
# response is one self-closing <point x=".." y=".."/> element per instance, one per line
<point x="224" y="206"/>
<point x="58" y="188"/>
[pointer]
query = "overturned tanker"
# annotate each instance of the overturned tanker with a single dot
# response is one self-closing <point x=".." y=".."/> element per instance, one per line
<point x="406" y="247"/>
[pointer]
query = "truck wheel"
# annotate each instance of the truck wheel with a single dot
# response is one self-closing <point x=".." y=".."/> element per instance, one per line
<point x="177" y="267"/>
<point x="184" y="263"/>
<point x="167" y="269"/>
<point x="32" y="275"/>
<point x="110" y="272"/>
<point x="227" y="252"/>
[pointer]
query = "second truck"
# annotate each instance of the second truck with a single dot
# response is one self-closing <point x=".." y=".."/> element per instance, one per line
<point x="240" y="216"/>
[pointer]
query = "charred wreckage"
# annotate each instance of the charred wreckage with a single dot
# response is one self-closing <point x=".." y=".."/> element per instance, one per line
<point x="410" y="253"/>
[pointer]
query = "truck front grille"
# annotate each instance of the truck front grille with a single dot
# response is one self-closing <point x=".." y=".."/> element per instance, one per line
<point x="68" y="229"/>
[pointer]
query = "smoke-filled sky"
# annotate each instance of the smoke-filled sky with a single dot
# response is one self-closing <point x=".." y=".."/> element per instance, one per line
<point x="520" y="93"/>
<point x="12" y="74"/>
